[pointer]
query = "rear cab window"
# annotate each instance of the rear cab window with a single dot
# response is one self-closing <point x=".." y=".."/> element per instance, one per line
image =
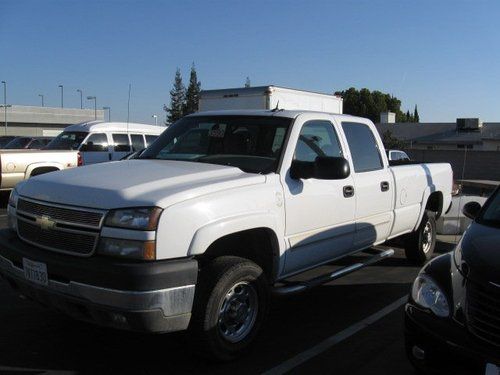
<point x="364" y="148"/>
<point x="121" y="143"/>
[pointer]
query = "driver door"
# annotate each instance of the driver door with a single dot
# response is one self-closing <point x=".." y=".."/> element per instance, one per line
<point x="319" y="215"/>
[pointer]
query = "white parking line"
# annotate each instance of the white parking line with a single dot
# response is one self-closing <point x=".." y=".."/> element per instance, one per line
<point x="324" y="345"/>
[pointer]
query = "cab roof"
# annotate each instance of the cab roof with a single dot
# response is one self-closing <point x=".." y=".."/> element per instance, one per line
<point x="95" y="126"/>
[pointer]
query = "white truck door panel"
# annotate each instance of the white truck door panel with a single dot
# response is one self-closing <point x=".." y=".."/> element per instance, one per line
<point x="95" y="149"/>
<point x="319" y="219"/>
<point x="374" y="185"/>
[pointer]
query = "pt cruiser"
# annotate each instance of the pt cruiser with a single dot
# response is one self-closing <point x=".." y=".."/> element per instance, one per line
<point x="214" y="216"/>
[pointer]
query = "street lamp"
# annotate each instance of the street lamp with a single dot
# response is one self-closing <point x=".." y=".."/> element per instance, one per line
<point x="5" y="103"/>
<point x="109" y="112"/>
<point x="81" y="98"/>
<point x="62" y="95"/>
<point x="95" y="105"/>
<point x="156" y="119"/>
<point x="41" y="96"/>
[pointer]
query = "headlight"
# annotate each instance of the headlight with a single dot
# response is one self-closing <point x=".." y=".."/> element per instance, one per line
<point x="144" y="250"/>
<point x="134" y="218"/>
<point x="13" y="197"/>
<point x="426" y="293"/>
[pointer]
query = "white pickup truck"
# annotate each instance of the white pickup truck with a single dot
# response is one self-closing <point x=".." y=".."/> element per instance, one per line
<point x="212" y="218"/>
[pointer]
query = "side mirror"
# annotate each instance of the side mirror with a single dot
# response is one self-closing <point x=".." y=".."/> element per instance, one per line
<point x="471" y="210"/>
<point x="323" y="168"/>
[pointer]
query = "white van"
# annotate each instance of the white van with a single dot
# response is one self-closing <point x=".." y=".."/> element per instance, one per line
<point x="100" y="141"/>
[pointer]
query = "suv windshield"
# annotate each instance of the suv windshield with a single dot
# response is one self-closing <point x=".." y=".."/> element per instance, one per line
<point x="67" y="141"/>
<point x="491" y="212"/>
<point x="253" y="144"/>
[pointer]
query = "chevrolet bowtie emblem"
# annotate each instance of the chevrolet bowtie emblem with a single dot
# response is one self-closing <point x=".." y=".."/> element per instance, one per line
<point x="45" y="222"/>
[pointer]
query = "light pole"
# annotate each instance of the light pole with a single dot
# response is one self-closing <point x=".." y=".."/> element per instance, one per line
<point x="95" y="105"/>
<point x="109" y="112"/>
<point x="62" y="95"/>
<point x="81" y="98"/>
<point x="156" y="119"/>
<point x="5" y="103"/>
<point x="41" y="96"/>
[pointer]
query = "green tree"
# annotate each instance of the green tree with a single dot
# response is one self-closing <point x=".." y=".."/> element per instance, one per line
<point x="390" y="142"/>
<point x="416" y="117"/>
<point x="177" y="99"/>
<point x="193" y="93"/>
<point x="370" y="104"/>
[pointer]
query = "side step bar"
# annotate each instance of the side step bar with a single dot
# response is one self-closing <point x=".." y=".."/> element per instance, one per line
<point x="301" y="286"/>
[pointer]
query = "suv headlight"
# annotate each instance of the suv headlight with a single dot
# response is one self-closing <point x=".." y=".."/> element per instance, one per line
<point x="426" y="293"/>
<point x="13" y="197"/>
<point x="145" y="218"/>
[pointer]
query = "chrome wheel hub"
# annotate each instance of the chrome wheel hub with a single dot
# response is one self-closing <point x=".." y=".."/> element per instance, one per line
<point x="427" y="237"/>
<point x="238" y="312"/>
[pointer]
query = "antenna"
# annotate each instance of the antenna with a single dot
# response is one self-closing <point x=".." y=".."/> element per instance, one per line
<point x="276" y="109"/>
<point x="128" y="104"/>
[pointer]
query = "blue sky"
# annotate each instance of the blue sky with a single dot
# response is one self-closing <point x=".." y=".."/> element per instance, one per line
<point x="442" y="55"/>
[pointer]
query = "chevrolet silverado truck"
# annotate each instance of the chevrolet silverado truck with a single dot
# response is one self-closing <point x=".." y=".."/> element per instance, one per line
<point x="213" y="219"/>
<point x="19" y="165"/>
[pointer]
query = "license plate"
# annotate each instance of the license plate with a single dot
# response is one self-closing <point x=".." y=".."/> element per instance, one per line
<point x="35" y="272"/>
<point x="492" y="369"/>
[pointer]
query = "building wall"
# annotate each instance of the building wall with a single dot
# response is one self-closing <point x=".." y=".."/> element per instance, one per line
<point x="484" y="165"/>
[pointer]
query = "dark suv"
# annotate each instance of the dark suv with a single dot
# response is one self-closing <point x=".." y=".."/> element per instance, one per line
<point x="453" y="315"/>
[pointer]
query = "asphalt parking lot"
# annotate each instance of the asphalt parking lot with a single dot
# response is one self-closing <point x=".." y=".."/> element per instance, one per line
<point x="351" y="326"/>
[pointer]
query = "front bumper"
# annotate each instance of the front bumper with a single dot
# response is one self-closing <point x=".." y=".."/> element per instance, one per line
<point x="140" y="296"/>
<point x="447" y="341"/>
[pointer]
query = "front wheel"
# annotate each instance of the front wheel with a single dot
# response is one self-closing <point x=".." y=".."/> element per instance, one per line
<point x="419" y="245"/>
<point x="230" y="305"/>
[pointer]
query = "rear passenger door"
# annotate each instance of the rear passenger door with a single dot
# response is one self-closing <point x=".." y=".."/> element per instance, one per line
<point x="372" y="183"/>
<point x="121" y="146"/>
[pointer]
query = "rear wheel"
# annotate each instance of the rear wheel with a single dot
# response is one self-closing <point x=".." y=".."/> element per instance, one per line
<point x="230" y="305"/>
<point x="419" y="245"/>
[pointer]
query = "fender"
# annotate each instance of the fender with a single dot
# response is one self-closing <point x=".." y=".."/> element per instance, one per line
<point x="34" y="166"/>
<point x="425" y="198"/>
<point x="209" y="233"/>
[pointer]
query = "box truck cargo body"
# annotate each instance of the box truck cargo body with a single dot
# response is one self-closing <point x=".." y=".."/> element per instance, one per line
<point x="269" y="97"/>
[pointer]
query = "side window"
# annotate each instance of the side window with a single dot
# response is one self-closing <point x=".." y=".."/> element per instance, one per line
<point x="317" y="138"/>
<point x="137" y="142"/>
<point x="36" y="144"/>
<point x="150" y="139"/>
<point x="121" y="143"/>
<point x="364" y="149"/>
<point x="95" y="143"/>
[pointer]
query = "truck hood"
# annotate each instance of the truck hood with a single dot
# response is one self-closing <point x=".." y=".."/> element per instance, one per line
<point x="134" y="183"/>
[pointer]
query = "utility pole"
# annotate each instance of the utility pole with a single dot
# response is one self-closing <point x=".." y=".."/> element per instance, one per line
<point x="95" y="105"/>
<point x="41" y="96"/>
<point x="109" y="112"/>
<point x="81" y="98"/>
<point x="5" y="103"/>
<point x="156" y="119"/>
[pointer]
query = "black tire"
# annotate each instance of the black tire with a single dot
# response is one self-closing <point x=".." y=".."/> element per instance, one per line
<point x="217" y="281"/>
<point x="419" y="247"/>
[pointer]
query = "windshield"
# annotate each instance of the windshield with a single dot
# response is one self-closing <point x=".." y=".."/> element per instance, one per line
<point x="253" y="144"/>
<point x="67" y="141"/>
<point x="5" y="140"/>
<point x="18" y="143"/>
<point x="491" y="212"/>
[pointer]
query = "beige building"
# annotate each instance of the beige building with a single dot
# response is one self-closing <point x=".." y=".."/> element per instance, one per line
<point x="43" y="121"/>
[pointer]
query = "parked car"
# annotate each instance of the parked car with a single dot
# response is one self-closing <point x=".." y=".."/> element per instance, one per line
<point x="34" y="143"/>
<point x="4" y="139"/>
<point x="453" y="315"/>
<point x="100" y="141"/>
<point x="214" y="216"/>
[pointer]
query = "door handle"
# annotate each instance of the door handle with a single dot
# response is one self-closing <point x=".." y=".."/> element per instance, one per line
<point x="384" y="186"/>
<point x="348" y="191"/>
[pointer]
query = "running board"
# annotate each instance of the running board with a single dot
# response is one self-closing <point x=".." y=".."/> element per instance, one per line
<point x="301" y="286"/>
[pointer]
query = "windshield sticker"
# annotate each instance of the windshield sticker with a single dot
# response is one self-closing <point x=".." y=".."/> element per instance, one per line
<point x="217" y="131"/>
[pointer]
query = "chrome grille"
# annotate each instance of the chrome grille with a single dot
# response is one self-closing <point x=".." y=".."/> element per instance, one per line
<point x="58" y="228"/>
<point x="86" y="218"/>
<point x="69" y="242"/>
<point x="483" y="312"/>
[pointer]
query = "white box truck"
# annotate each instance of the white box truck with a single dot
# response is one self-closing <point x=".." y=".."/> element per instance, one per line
<point x="269" y="97"/>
